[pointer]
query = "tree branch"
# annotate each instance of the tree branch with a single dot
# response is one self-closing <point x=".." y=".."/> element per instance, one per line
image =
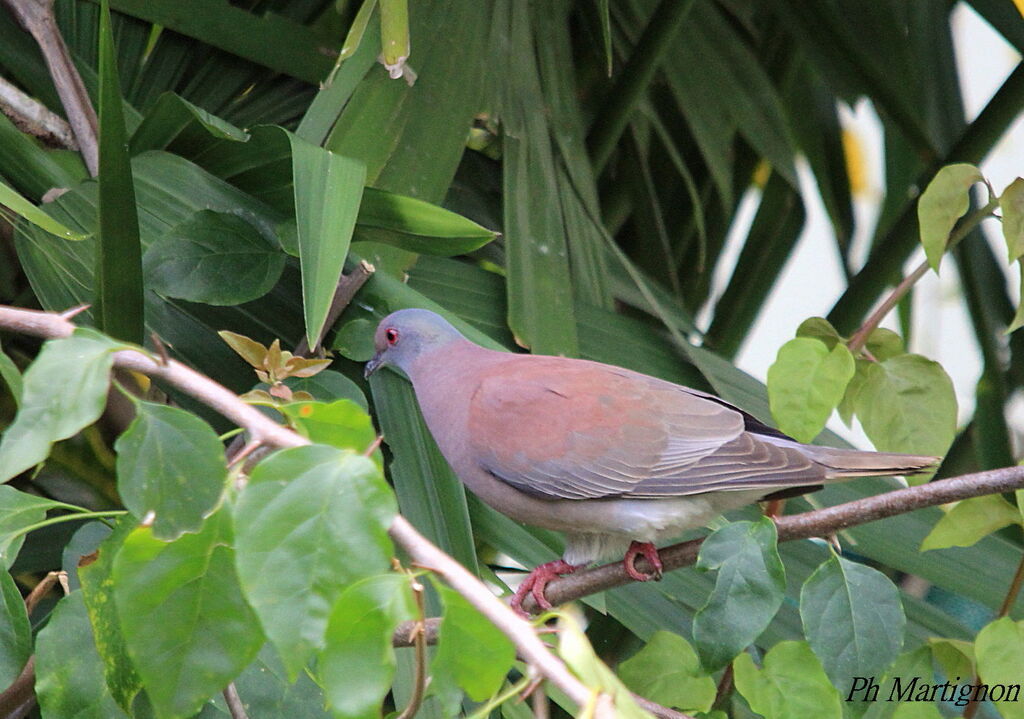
<point x="36" y="16"/>
<point x="268" y="432"/>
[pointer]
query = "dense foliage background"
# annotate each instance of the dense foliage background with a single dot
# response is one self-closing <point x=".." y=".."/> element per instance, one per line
<point x="610" y="145"/>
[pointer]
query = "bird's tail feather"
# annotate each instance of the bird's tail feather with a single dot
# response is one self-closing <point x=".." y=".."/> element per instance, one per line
<point x="845" y="463"/>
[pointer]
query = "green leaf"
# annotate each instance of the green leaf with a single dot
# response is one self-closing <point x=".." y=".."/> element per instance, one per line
<point x="1018" y="318"/>
<point x="472" y="654"/>
<point x="806" y="383"/>
<point x="417" y="226"/>
<point x="1011" y="207"/>
<point x="848" y="404"/>
<point x="119" y="306"/>
<point x="791" y="684"/>
<point x="954" y="657"/>
<point x="342" y="424"/>
<point x="215" y="258"/>
<point x="853" y="619"/>
<point x="357" y="664"/>
<point x="907" y="404"/>
<point x="575" y="649"/>
<point x="36" y="215"/>
<point x="170" y="469"/>
<point x="311" y="521"/>
<point x="18" y="511"/>
<point x="98" y="590"/>
<point x="188" y="629"/>
<point x="884" y="344"/>
<point x="749" y="589"/>
<point x="327" y="386"/>
<point x="174" y="121"/>
<point x="667" y="671"/>
<point x="354" y="340"/>
<point x="65" y="389"/>
<point x="356" y="31"/>
<point x="970" y="520"/>
<point x="821" y="329"/>
<point x="943" y="202"/>
<point x="999" y="650"/>
<point x="69" y="673"/>
<point x="268" y="692"/>
<point x="10" y="374"/>
<point x="328" y="190"/>
<point x="15" y="632"/>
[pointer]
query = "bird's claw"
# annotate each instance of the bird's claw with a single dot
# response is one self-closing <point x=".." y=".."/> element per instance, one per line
<point x="650" y="553"/>
<point x="536" y="582"/>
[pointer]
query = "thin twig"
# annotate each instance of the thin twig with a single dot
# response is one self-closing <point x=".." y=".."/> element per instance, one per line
<point x="347" y="288"/>
<point x="17" y="700"/>
<point x="860" y="337"/>
<point x="39" y="591"/>
<point x="234" y="702"/>
<point x="37" y="17"/>
<point x="419" y="681"/>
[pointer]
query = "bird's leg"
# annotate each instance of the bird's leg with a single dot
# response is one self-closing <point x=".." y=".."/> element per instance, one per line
<point x="650" y="553"/>
<point x="536" y="581"/>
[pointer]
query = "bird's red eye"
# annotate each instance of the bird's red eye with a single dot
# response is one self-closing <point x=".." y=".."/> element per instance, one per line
<point x="391" y="335"/>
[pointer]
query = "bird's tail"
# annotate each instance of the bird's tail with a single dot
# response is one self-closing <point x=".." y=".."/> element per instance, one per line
<point x="847" y="463"/>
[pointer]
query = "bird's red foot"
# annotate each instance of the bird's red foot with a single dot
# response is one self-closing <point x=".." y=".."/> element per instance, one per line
<point x="650" y="553"/>
<point x="536" y="582"/>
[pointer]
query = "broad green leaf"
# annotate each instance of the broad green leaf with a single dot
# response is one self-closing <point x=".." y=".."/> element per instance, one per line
<point x="11" y="375"/>
<point x="667" y="671"/>
<point x="790" y="684"/>
<point x="575" y="649"/>
<point x="170" y="469"/>
<point x="921" y="710"/>
<point x="342" y="424"/>
<point x="119" y="286"/>
<point x="15" y="632"/>
<point x="173" y="119"/>
<point x="328" y="190"/>
<point x="806" y="383"/>
<point x="268" y="692"/>
<point x="69" y="672"/>
<point x="1011" y="207"/>
<point x="394" y="36"/>
<point x="970" y="520"/>
<point x="215" y="258"/>
<point x="312" y="521"/>
<point x="64" y="390"/>
<point x="185" y="622"/>
<point x="36" y="215"/>
<point x="821" y="329"/>
<point x="354" y="340"/>
<point x="848" y="404"/>
<point x="606" y="32"/>
<point x="417" y="226"/>
<point x="999" y="651"/>
<point x="884" y="344"/>
<point x="907" y="404"/>
<point x="472" y="654"/>
<point x="98" y="590"/>
<point x="943" y="202"/>
<point x="18" y="512"/>
<point x="357" y="664"/>
<point x="954" y="657"/>
<point x="749" y="590"/>
<point x="853" y="619"/>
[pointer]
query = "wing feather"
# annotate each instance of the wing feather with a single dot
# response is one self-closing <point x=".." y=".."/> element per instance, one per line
<point x="581" y="430"/>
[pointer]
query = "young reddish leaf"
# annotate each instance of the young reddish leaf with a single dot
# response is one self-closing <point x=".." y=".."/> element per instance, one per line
<point x="250" y="350"/>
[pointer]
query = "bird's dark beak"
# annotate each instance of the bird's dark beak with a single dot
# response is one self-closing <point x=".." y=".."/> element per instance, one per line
<point x="372" y="365"/>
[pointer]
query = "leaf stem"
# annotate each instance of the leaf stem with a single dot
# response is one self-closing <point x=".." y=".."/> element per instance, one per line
<point x="860" y="337"/>
<point x="419" y="681"/>
<point x="66" y="518"/>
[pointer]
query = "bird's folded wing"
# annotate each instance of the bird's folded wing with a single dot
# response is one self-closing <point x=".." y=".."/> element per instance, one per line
<point x="571" y="430"/>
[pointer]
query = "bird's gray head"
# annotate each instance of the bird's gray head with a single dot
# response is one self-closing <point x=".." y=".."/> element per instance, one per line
<point x="405" y="335"/>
